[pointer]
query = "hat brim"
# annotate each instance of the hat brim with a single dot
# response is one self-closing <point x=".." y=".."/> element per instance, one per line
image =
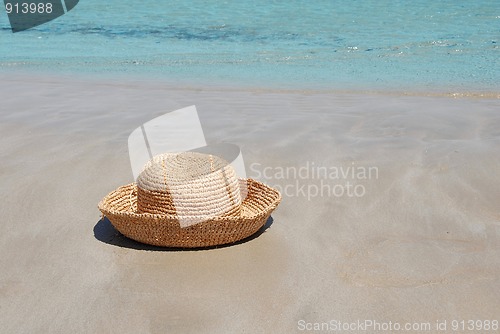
<point x="165" y="230"/>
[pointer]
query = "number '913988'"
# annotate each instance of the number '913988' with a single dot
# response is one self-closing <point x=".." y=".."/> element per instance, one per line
<point x="26" y="14"/>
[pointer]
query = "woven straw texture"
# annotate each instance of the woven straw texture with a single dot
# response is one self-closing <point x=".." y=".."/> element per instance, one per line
<point x="120" y="206"/>
<point x="188" y="184"/>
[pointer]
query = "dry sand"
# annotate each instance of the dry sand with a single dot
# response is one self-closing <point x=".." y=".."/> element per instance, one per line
<point x="421" y="245"/>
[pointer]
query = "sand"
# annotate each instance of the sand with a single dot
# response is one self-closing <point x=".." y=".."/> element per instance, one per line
<point x="418" y="242"/>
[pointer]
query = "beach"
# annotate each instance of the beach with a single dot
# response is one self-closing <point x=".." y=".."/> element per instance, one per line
<point x="390" y="211"/>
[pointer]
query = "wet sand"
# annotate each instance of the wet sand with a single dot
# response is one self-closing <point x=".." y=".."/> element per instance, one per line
<point x="418" y="242"/>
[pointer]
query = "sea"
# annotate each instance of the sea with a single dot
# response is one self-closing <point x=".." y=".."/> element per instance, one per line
<point x="297" y="44"/>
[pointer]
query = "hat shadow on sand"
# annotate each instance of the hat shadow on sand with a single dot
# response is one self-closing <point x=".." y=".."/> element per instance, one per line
<point x="105" y="232"/>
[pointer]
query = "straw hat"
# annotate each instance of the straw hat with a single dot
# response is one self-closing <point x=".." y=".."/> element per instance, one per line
<point x="189" y="199"/>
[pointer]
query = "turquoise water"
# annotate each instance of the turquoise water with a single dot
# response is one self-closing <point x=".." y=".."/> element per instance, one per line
<point x="371" y="44"/>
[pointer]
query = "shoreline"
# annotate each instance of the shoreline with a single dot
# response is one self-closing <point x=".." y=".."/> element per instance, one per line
<point x="126" y="80"/>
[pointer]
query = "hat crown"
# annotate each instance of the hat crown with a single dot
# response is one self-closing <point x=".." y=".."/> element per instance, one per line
<point x="190" y="185"/>
<point x="178" y="167"/>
